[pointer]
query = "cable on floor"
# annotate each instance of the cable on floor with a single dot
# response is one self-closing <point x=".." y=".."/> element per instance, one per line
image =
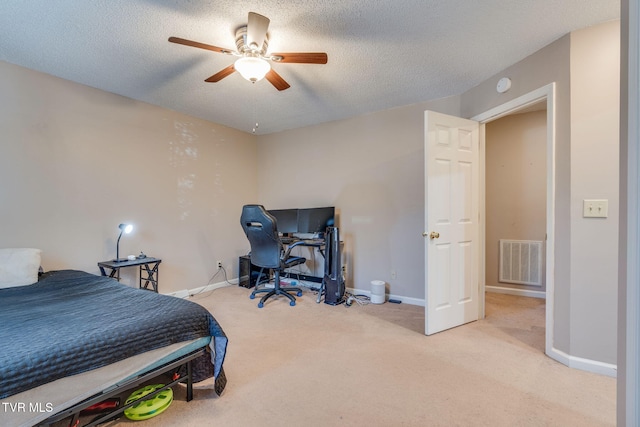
<point x="359" y="299"/>
<point x="202" y="288"/>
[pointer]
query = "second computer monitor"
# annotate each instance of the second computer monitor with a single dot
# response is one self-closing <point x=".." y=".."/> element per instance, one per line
<point x="287" y="220"/>
<point x="315" y="220"/>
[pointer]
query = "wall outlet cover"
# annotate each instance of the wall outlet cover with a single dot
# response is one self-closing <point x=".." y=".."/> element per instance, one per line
<point x="595" y="208"/>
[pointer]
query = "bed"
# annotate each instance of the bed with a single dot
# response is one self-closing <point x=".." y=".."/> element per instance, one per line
<point x="73" y="326"/>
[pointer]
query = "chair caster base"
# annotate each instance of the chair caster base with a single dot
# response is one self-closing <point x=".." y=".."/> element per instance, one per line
<point x="277" y="291"/>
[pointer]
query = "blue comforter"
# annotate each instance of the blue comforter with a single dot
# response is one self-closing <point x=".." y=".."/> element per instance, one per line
<point x="71" y="322"/>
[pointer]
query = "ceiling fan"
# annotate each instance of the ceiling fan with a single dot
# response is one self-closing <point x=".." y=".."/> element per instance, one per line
<point x="252" y="42"/>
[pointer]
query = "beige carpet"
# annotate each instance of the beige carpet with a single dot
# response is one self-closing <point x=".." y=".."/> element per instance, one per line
<point x="319" y="365"/>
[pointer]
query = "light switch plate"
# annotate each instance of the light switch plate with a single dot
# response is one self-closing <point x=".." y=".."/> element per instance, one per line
<point x="595" y="208"/>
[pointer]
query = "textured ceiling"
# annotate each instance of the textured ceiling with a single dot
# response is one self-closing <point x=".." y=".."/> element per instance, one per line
<point x="382" y="54"/>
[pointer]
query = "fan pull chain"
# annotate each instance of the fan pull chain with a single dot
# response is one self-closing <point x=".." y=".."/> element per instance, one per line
<point x="255" y="128"/>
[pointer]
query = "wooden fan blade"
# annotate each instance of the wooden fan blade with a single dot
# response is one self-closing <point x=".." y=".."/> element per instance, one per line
<point x="301" y="58"/>
<point x="257" y="26"/>
<point x="198" y="45"/>
<point x="221" y="74"/>
<point x="277" y="81"/>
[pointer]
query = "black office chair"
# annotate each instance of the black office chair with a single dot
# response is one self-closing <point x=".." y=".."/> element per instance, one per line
<point x="267" y="250"/>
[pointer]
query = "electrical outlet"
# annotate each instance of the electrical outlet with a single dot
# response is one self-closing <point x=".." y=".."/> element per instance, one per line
<point x="219" y="264"/>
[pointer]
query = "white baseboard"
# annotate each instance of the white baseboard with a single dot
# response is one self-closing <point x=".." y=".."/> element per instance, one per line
<point x="180" y="294"/>
<point x="583" y="364"/>
<point x="186" y="293"/>
<point x="406" y="300"/>
<point x="420" y="302"/>
<point x="518" y="292"/>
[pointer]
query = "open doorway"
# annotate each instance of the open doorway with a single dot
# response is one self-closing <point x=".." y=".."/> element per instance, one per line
<point x="515" y="224"/>
<point x="540" y="98"/>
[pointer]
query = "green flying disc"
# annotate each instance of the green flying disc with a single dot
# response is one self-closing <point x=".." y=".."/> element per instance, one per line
<point x="146" y="409"/>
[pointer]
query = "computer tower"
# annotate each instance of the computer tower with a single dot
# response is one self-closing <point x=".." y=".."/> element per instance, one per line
<point x="248" y="273"/>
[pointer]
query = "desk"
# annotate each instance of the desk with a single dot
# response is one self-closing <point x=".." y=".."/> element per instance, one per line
<point x="248" y="273"/>
<point x="319" y="244"/>
<point x="148" y="270"/>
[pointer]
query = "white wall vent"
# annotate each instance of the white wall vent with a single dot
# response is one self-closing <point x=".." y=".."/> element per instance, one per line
<point x="521" y="262"/>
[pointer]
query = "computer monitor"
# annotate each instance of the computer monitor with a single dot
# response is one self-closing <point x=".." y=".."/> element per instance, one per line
<point x="287" y="220"/>
<point x="315" y="220"/>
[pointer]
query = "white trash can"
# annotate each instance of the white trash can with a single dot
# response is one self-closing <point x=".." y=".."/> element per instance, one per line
<point x="377" y="291"/>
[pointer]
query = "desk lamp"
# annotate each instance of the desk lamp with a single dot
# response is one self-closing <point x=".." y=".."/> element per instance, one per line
<point x="124" y="228"/>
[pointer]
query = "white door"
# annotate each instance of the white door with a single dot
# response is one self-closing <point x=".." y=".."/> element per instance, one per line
<point x="451" y="221"/>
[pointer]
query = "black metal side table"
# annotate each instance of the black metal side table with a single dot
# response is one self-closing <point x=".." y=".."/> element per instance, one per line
<point x="148" y="270"/>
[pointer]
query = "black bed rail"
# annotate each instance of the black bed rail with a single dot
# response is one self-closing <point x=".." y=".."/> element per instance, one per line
<point x="74" y="411"/>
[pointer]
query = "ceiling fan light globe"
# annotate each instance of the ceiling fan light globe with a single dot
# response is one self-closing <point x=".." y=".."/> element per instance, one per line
<point x="252" y="68"/>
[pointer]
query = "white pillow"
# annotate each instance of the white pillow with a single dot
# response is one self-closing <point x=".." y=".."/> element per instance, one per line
<point x="19" y="266"/>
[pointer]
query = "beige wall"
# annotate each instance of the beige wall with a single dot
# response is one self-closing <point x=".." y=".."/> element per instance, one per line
<point x="595" y="143"/>
<point x="516" y="187"/>
<point x="77" y="161"/>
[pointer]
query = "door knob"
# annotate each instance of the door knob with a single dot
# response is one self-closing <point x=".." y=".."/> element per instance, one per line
<point x="432" y="235"/>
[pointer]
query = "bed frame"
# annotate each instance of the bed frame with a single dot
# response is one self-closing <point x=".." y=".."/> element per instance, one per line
<point x="74" y="411"/>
